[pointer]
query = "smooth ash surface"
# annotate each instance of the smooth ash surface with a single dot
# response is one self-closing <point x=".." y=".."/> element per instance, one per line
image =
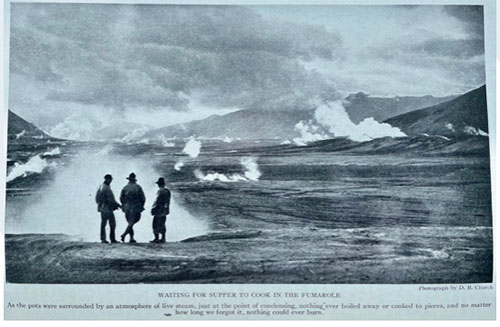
<point x="312" y="217"/>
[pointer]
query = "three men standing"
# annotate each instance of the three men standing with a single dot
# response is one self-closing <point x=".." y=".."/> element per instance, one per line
<point x="132" y="199"/>
<point x="132" y="203"/>
<point x="160" y="210"/>
<point x="106" y="204"/>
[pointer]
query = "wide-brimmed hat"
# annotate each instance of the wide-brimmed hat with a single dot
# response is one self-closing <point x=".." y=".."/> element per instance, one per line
<point x="108" y="176"/>
<point x="131" y="177"/>
<point x="160" y="181"/>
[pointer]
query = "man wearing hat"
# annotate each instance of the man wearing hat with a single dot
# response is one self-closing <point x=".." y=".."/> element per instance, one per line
<point x="132" y="199"/>
<point x="106" y="204"/>
<point x="160" y="210"/>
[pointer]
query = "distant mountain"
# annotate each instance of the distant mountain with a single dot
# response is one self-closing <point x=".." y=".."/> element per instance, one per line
<point x="245" y="124"/>
<point x="463" y="116"/>
<point x="18" y="128"/>
<point x="360" y="106"/>
<point x="262" y="124"/>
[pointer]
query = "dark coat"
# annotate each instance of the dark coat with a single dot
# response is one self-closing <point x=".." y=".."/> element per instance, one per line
<point x="105" y="199"/>
<point x="161" y="207"/>
<point x="132" y="198"/>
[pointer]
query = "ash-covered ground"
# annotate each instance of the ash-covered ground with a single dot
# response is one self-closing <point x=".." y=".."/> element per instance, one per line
<point x="260" y="212"/>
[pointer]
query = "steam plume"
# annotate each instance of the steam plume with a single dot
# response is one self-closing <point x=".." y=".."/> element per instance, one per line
<point x="192" y="147"/>
<point x="334" y="116"/>
<point x="308" y="133"/>
<point x="178" y="165"/>
<point x="67" y="205"/>
<point x="53" y="152"/>
<point x="251" y="173"/>
<point x="34" y="165"/>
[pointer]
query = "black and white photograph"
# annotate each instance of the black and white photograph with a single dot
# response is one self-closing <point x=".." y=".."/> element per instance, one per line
<point x="247" y="144"/>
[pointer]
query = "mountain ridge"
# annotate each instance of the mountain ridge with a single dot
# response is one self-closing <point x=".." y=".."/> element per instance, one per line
<point x="462" y="116"/>
<point x="360" y="105"/>
<point x="267" y="124"/>
<point x="18" y="127"/>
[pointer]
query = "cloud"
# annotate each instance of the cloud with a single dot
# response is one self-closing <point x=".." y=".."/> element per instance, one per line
<point x="153" y="56"/>
<point x="163" y="64"/>
<point x="471" y="20"/>
<point x="220" y="29"/>
<point x="471" y="16"/>
<point x="400" y="50"/>
<point x="451" y="48"/>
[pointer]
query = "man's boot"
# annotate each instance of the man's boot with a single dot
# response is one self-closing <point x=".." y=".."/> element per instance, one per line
<point x="156" y="240"/>
<point x="162" y="240"/>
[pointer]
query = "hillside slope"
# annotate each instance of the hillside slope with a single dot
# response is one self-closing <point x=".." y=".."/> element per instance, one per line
<point x="360" y="106"/>
<point x="18" y="127"/>
<point x="245" y="124"/>
<point x="464" y="116"/>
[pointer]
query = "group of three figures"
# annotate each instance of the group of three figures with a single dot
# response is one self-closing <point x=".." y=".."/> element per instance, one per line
<point x="132" y="200"/>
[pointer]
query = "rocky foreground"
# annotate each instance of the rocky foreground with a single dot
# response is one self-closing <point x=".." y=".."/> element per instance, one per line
<point x="361" y="255"/>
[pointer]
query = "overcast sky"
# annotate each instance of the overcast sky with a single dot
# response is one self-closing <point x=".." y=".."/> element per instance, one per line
<point x="74" y="65"/>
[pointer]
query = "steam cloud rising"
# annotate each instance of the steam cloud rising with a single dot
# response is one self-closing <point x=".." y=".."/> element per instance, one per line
<point x="333" y="117"/>
<point x="308" y="133"/>
<point x="35" y="164"/>
<point x="192" y="147"/>
<point x="178" y="165"/>
<point x="252" y="173"/>
<point x="67" y="205"/>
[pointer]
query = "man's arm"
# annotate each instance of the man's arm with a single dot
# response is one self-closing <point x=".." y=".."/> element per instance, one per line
<point x="142" y="196"/>
<point x="155" y="204"/>
<point x="122" y="196"/>
<point x="111" y="200"/>
<point x="167" y="200"/>
<point x="98" y="195"/>
<point x="157" y="200"/>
